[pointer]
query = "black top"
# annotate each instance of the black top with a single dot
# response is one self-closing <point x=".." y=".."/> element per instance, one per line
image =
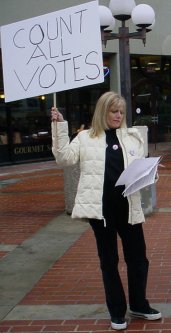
<point x="114" y="166"/>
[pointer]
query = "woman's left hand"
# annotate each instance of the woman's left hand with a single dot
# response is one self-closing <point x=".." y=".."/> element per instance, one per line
<point x="56" y="115"/>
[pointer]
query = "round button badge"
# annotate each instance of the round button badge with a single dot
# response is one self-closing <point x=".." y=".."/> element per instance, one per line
<point x="115" y="147"/>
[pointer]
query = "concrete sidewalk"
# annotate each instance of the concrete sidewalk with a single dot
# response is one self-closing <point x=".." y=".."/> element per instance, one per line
<point x="50" y="279"/>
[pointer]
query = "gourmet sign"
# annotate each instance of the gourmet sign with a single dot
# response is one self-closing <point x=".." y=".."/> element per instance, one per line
<point x="52" y="52"/>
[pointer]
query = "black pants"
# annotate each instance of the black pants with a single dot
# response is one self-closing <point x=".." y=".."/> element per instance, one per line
<point x="134" y="250"/>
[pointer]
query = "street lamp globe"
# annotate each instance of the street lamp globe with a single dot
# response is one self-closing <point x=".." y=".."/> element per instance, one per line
<point x="122" y="9"/>
<point x="151" y="26"/>
<point x="105" y="16"/>
<point x="111" y="26"/>
<point x="143" y="15"/>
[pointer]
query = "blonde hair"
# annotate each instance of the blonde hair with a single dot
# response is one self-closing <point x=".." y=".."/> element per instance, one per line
<point x="103" y="105"/>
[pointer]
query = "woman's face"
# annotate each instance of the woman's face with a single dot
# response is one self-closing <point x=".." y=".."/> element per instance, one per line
<point x="115" y="116"/>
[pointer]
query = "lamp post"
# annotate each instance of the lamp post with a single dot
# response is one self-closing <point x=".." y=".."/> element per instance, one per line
<point x="143" y="17"/>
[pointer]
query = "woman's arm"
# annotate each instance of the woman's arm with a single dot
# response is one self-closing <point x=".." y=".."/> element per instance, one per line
<point x="64" y="153"/>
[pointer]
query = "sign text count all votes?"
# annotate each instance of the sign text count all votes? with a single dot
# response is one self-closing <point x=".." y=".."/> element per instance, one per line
<point x="52" y="52"/>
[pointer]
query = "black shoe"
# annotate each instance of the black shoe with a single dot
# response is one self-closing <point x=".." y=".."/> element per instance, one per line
<point x="149" y="314"/>
<point x="118" y="323"/>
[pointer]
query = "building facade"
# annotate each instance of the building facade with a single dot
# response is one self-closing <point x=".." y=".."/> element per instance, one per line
<point x="25" y="133"/>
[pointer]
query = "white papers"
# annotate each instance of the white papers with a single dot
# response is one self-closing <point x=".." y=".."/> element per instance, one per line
<point x="140" y="173"/>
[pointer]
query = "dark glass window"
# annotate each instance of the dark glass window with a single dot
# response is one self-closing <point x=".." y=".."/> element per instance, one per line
<point x="151" y="94"/>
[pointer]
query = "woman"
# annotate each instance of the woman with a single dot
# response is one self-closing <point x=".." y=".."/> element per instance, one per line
<point x="104" y="151"/>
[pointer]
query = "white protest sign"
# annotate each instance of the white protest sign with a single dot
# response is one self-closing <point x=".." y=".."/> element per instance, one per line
<point x="52" y="52"/>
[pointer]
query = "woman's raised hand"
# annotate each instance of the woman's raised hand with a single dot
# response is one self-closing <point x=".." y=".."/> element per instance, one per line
<point x="56" y="115"/>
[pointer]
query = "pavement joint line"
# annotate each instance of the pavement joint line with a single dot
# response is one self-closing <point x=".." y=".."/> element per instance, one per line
<point x="15" y="180"/>
<point x="162" y="210"/>
<point x="7" y="247"/>
<point x="71" y="312"/>
<point x="25" y="265"/>
<point x="6" y="182"/>
<point x="15" y="172"/>
<point x="29" y="192"/>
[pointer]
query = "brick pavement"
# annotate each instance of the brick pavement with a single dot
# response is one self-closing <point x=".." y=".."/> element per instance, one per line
<point x="31" y="196"/>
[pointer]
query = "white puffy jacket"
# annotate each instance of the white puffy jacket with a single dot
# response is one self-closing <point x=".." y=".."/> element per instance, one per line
<point x="91" y="154"/>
